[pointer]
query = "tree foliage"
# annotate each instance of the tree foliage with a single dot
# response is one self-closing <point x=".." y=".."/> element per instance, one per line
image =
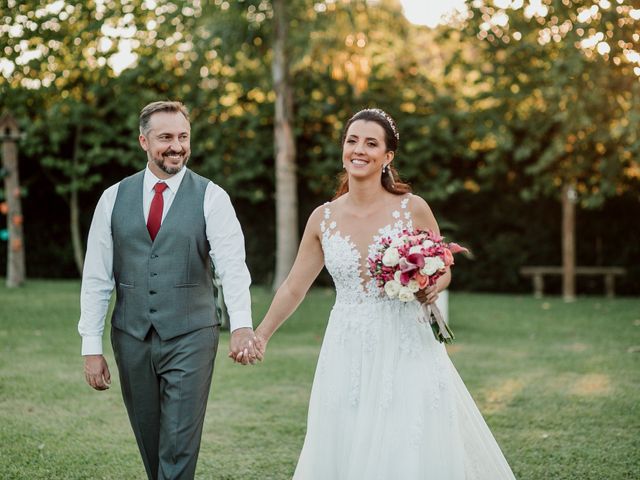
<point x="556" y="96"/>
<point x="496" y="110"/>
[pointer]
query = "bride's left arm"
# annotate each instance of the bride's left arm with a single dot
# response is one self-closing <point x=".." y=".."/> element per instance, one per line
<point x="424" y="219"/>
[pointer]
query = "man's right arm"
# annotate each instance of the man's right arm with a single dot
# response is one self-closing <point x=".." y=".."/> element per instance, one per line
<point x="97" y="276"/>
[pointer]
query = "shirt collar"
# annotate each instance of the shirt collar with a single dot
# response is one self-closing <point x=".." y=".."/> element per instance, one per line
<point x="173" y="182"/>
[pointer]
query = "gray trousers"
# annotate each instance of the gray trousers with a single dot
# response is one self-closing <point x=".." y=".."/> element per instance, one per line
<point x="165" y="387"/>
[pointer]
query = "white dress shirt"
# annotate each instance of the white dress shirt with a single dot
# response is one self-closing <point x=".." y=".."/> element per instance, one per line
<point x="227" y="253"/>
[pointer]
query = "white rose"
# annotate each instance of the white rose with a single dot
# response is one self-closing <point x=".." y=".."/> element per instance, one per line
<point x="431" y="265"/>
<point x="427" y="243"/>
<point x="413" y="285"/>
<point x="397" y="275"/>
<point x="392" y="288"/>
<point x="391" y="257"/>
<point x="405" y="295"/>
<point x="397" y="242"/>
<point x="415" y="249"/>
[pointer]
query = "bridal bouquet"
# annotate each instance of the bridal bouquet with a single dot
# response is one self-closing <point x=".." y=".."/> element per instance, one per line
<point x="412" y="261"/>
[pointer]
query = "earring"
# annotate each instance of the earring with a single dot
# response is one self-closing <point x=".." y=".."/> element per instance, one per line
<point x="387" y="170"/>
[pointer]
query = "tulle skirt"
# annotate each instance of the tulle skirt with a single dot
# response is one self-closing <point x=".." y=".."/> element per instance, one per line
<point x="387" y="403"/>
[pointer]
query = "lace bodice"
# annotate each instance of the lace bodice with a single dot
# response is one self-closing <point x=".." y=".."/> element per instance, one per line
<point x="347" y="262"/>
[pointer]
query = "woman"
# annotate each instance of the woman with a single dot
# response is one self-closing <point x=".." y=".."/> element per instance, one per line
<point x="386" y="401"/>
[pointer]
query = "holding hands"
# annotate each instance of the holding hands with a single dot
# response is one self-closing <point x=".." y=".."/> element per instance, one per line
<point x="246" y="346"/>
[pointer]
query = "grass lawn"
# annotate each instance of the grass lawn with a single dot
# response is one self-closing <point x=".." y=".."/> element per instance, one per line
<point x="559" y="385"/>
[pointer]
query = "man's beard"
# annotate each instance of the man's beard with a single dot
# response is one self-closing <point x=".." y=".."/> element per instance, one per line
<point x="169" y="170"/>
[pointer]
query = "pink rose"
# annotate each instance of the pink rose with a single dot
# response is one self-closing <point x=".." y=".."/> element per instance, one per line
<point x="423" y="280"/>
<point x="447" y="257"/>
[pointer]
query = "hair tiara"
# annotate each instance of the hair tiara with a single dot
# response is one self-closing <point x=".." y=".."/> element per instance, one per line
<point x="386" y="116"/>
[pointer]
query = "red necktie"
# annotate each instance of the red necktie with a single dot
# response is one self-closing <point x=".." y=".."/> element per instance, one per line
<point x="155" y="212"/>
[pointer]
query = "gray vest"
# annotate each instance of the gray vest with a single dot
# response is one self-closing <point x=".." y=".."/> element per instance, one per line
<point x="166" y="283"/>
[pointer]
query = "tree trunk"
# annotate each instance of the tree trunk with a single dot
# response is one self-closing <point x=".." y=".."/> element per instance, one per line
<point x="568" y="243"/>
<point x="15" y="243"/>
<point x="74" y="207"/>
<point x="285" y="149"/>
<point x="76" y="237"/>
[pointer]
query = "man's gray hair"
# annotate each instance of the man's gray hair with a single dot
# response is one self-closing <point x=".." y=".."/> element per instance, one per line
<point x="162" y="106"/>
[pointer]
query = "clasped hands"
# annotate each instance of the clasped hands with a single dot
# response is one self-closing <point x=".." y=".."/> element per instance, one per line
<point x="246" y="346"/>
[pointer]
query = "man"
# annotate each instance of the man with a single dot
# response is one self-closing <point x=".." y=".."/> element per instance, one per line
<point x="153" y="236"/>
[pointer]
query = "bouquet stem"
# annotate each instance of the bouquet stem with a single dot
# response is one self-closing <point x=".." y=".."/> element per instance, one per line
<point x="440" y="329"/>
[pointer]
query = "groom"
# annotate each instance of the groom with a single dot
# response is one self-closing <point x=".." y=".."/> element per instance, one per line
<point x="153" y="237"/>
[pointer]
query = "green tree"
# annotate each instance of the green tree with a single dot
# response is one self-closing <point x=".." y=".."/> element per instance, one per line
<point x="61" y="78"/>
<point x="557" y="99"/>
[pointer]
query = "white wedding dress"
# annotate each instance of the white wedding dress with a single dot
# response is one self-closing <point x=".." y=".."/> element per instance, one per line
<point x="387" y="403"/>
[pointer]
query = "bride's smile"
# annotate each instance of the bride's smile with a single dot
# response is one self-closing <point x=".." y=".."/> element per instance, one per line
<point x="364" y="150"/>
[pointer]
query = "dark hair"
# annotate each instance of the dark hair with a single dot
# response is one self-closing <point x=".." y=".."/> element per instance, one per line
<point x="391" y="140"/>
<point x="162" y="106"/>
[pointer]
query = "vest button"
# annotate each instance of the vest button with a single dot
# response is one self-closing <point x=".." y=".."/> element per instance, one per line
<point x="152" y="310"/>
<point x="153" y="274"/>
<point x="152" y="292"/>
<point x="154" y="256"/>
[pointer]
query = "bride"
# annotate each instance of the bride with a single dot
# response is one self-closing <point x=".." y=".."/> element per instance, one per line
<point x="386" y="401"/>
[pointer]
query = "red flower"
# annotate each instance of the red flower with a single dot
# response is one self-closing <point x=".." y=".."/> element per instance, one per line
<point x="409" y="266"/>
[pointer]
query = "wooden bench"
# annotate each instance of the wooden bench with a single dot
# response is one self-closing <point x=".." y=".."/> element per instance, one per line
<point x="538" y="273"/>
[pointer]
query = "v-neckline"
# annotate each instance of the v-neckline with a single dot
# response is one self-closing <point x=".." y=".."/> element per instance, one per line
<point x="402" y="220"/>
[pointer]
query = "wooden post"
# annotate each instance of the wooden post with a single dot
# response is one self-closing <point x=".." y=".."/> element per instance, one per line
<point x="568" y="243"/>
<point x="609" y="285"/>
<point x="538" y="285"/>
<point x="10" y="134"/>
